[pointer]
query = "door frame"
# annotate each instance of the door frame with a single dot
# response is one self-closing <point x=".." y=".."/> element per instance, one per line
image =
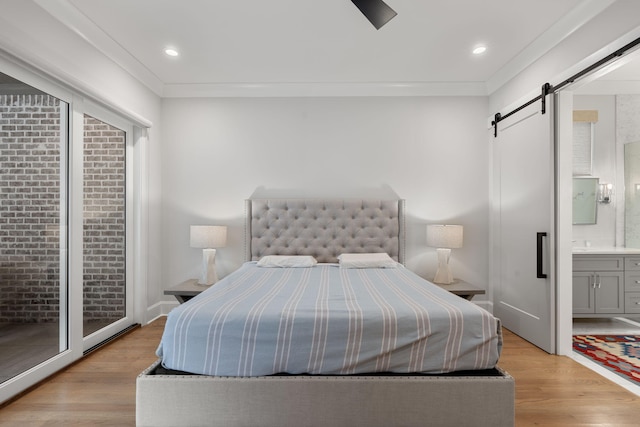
<point x="563" y="220"/>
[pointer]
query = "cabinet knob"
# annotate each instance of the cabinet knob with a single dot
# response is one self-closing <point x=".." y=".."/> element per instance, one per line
<point x="637" y="263"/>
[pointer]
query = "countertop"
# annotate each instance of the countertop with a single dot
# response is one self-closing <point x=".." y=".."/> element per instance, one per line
<point x="605" y="251"/>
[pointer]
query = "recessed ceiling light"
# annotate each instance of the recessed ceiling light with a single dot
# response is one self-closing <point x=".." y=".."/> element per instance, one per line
<point x="171" y="52"/>
<point x="479" y="49"/>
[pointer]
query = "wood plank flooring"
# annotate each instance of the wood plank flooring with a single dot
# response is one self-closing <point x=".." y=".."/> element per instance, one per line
<point x="100" y="389"/>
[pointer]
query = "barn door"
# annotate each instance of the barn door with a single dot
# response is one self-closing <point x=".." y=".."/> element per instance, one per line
<point x="522" y="224"/>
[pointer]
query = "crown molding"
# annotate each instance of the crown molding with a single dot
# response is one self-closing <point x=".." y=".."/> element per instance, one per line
<point x="80" y="24"/>
<point x="70" y="16"/>
<point x="317" y="89"/>
<point x="563" y="28"/>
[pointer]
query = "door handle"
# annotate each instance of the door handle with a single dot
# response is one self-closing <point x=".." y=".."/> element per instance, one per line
<point x="539" y="255"/>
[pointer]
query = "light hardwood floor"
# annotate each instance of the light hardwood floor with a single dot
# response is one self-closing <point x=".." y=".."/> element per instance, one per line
<point x="100" y="389"/>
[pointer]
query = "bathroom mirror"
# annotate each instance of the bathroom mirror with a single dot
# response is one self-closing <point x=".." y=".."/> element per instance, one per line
<point x="585" y="192"/>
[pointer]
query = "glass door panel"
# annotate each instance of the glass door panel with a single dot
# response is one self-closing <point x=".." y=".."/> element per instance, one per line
<point x="33" y="212"/>
<point x="105" y="287"/>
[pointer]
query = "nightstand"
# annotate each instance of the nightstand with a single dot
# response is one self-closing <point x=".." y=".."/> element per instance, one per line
<point x="186" y="290"/>
<point x="462" y="289"/>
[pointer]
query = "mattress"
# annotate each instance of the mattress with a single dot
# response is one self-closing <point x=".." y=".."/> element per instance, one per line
<point x="327" y="320"/>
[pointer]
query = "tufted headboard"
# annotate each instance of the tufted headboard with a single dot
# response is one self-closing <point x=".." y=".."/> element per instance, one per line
<point x="324" y="228"/>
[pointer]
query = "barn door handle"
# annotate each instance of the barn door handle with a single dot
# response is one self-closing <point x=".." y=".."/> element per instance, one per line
<point x="539" y="254"/>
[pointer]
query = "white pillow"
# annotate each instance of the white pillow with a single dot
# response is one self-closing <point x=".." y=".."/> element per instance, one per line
<point x="287" y="261"/>
<point x="372" y="260"/>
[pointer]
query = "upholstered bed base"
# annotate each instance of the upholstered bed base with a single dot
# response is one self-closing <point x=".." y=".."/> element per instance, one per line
<point x="324" y="229"/>
<point x="281" y="401"/>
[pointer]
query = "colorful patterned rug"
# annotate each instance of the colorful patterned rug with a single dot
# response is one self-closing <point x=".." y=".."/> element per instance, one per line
<point x="618" y="353"/>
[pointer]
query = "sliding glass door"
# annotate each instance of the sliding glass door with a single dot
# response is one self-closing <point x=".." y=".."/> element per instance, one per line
<point x="107" y="301"/>
<point x="66" y="227"/>
<point x="33" y="224"/>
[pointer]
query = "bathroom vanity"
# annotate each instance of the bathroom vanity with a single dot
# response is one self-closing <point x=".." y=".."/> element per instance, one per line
<point x="606" y="282"/>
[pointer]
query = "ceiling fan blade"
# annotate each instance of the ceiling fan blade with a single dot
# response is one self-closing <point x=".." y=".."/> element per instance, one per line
<point x="376" y="11"/>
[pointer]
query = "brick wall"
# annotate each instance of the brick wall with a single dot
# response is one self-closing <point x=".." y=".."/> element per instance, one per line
<point x="29" y="208"/>
<point x="104" y="221"/>
<point x="30" y="190"/>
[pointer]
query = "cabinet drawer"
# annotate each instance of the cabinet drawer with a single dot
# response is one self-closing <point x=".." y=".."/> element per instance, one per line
<point x="632" y="281"/>
<point x="632" y="302"/>
<point x="632" y="263"/>
<point x="598" y="263"/>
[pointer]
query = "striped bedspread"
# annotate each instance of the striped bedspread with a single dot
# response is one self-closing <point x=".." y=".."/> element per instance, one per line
<point x="327" y="320"/>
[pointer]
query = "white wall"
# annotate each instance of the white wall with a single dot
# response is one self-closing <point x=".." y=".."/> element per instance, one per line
<point x="432" y="152"/>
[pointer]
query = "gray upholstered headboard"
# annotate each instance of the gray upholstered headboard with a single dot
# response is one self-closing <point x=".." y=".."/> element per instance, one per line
<point x="324" y="228"/>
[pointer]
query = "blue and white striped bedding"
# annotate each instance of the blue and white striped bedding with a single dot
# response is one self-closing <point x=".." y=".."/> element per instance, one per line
<point x="327" y="320"/>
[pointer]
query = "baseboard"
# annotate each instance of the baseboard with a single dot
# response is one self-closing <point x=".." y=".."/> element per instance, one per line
<point x="160" y="309"/>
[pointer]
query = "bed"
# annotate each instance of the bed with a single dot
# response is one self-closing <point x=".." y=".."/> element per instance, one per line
<point x="268" y="381"/>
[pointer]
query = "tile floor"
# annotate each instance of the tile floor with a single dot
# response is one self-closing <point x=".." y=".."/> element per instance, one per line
<point x="612" y="326"/>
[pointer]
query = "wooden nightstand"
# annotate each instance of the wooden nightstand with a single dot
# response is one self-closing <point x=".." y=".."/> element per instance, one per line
<point x="186" y="290"/>
<point x="462" y="289"/>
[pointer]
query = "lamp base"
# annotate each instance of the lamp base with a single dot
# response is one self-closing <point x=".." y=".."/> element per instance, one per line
<point x="443" y="276"/>
<point x="209" y="275"/>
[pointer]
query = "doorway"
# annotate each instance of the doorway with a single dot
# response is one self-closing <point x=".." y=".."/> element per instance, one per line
<point x="601" y="247"/>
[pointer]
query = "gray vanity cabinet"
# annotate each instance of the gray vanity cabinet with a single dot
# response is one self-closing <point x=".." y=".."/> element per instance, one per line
<point x="598" y="285"/>
<point x="632" y="285"/>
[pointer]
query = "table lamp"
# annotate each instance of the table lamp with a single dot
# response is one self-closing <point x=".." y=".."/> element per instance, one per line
<point x="208" y="237"/>
<point x="444" y="238"/>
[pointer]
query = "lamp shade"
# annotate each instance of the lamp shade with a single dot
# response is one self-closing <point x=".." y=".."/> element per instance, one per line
<point x="444" y="236"/>
<point x="208" y="236"/>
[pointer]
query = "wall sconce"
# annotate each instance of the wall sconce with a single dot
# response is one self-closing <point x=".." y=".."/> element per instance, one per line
<point x="444" y="238"/>
<point x="605" y="193"/>
<point x="208" y="237"/>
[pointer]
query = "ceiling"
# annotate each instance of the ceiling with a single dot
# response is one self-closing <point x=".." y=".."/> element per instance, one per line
<point x="253" y="44"/>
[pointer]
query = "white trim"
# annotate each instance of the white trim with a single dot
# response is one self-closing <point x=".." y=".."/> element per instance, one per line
<point x="154" y="319"/>
<point x="161" y="308"/>
<point x="65" y="12"/>
<point x="563" y="28"/>
<point x="22" y="71"/>
<point x="141" y="223"/>
<point x="563" y="217"/>
<point x="76" y="225"/>
<point x="627" y="87"/>
<point x="573" y="70"/>
<point x="57" y="81"/>
<point x="317" y="89"/>
<point x="80" y="24"/>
